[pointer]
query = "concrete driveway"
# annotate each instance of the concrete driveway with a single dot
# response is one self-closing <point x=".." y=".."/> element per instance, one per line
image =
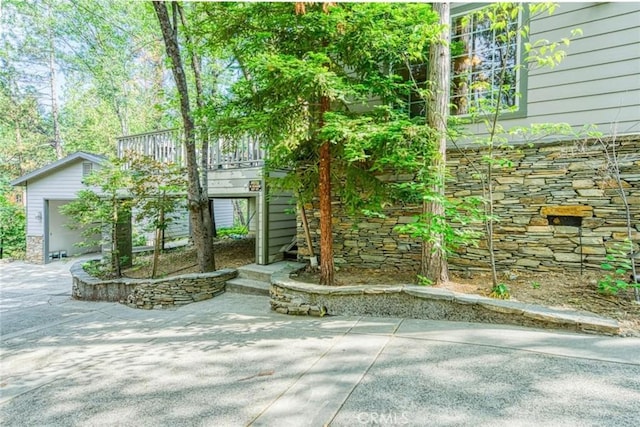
<point x="230" y="361"/>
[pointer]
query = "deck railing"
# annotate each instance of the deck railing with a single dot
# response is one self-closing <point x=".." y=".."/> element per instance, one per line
<point x="167" y="146"/>
<point x="230" y="154"/>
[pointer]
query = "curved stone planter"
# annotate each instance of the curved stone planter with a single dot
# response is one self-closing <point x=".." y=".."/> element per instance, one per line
<point x="291" y="297"/>
<point x="150" y="293"/>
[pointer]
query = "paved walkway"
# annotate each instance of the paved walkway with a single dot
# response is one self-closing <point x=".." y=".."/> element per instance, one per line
<point x="230" y="361"/>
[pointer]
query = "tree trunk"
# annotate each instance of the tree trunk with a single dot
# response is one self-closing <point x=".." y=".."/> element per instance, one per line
<point x="327" y="269"/>
<point x="198" y="203"/>
<point x="434" y="262"/>
<point x="238" y="213"/>
<point x="124" y="127"/>
<point x="115" y="248"/>
<point x="212" y="209"/>
<point x="57" y="140"/>
<point x="204" y="132"/>
<point x="158" y="243"/>
<point x="19" y="149"/>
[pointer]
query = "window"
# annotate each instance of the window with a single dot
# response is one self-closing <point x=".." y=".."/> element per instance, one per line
<point x="484" y="61"/>
<point x="417" y="76"/>
<point x="87" y="168"/>
<point x="481" y="58"/>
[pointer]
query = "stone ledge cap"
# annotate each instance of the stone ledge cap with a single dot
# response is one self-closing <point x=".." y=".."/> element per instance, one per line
<point x="581" y="320"/>
<point x="432" y="293"/>
<point x="77" y="270"/>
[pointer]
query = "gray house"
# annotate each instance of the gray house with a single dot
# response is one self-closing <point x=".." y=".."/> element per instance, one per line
<point x="559" y="205"/>
<point x="597" y="83"/>
<point x="558" y="208"/>
<point x="48" y="188"/>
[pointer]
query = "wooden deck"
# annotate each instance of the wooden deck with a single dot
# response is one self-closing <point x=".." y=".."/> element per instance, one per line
<point x="167" y="146"/>
<point x="235" y="170"/>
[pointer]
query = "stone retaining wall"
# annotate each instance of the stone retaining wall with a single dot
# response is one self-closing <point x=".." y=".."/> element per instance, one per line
<point x="150" y="293"/>
<point x="418" y="302"/>
<point x="547" y="185"/>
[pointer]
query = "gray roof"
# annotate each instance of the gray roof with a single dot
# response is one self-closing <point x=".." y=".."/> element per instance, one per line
<point x="59" y="164"/>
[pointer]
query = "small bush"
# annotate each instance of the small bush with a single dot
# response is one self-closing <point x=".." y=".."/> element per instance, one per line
<point x="235" y="231"/>
<point x="97" y="269"/>
<point x="618" y="268"/>
<point x="424" y="281"/>
<point x="500" y="291"/>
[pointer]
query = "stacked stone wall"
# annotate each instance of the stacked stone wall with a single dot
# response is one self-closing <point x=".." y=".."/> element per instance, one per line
<point x="545" y="185"/>
<point x="181" y="290"/>
<point x="35" y="249"/>
<point x="150" y="293"/>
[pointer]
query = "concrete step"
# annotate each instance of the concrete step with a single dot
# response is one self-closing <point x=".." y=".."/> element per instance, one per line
<point x="262" y="273"/>
<point x="247" y="287"/>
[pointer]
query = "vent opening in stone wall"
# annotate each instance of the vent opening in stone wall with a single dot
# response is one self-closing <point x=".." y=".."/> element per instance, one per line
<point x="570" y="221"/>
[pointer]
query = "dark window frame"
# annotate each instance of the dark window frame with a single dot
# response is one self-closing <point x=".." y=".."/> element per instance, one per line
<point x="417" y="106"/>
<point x="521" y="86"/>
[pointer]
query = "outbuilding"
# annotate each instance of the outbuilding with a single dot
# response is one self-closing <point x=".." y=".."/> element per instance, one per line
<point x="47" y="189"/>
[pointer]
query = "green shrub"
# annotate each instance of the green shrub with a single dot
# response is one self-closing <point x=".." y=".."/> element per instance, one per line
<point x="618" y="269"/>
<point x="12" y="229"/>
<point x="236" y="230"/>
<point x="500" y="291"/>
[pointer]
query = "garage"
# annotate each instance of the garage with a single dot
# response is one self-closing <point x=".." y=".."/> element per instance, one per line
<point x="47" y="189"/>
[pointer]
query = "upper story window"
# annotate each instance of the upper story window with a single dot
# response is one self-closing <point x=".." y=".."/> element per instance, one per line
<point x="484" y="63"/>
<point x="417" y="75"/>
<point x="484" y="60"/>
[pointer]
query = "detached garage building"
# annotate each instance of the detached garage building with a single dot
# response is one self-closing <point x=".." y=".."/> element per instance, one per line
<point x="48" y="188"/>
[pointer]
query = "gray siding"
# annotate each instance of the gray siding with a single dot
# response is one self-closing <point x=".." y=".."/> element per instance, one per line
<point x="281" y="219"/>
<point x="179" y="226"/>
<point x="232" y="182"/>
<point x="62" y="184"/>
<point x="599" y="80"/>
<point x="223" y="212"/>
<point x="282" y="224"/>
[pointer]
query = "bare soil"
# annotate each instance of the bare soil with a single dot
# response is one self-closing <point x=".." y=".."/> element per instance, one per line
<point x="568" y="290"/>
<point x="229" y="253"/>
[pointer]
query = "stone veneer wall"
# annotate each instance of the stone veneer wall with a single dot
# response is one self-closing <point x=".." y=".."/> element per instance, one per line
<point x="418" y="302"/>
<point x="549" y="179"/>
<point x="150" y="293"/>
<point x="35" y="249"/>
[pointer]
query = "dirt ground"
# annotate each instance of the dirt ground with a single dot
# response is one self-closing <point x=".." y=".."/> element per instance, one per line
<point x="569" y="290"/>
<point x="229" y="253"/>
